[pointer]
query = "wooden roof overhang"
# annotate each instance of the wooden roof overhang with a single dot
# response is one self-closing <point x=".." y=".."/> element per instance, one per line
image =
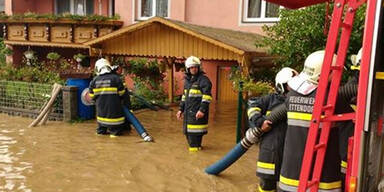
<point x="159" y="37"/>
<point x="47" y="44"/>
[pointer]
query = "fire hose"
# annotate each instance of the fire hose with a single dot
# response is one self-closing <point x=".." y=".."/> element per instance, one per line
<point x="252" y="136"/>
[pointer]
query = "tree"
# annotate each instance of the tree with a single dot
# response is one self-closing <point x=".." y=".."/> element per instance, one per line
<point x="301" y="32"/>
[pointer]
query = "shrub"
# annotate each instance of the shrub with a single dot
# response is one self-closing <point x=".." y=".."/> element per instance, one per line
<point x="147" y="79"/>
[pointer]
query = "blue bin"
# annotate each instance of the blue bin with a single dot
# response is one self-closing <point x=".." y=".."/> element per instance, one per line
<point x="83" y="111"/>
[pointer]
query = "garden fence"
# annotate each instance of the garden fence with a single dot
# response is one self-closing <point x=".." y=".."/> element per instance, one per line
<point x="27" y="99"/>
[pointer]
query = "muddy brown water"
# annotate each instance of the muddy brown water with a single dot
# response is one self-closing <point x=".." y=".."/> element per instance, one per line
<point x="71" y="157"/>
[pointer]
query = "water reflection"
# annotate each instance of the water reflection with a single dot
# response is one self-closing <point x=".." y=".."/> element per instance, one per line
<point x="11" y="168"/>
<point x="70" y="157"/>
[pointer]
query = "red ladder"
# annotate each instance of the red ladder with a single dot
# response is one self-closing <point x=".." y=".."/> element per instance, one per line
<point x="328" y="110"/>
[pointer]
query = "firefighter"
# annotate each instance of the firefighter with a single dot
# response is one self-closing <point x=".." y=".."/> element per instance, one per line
<point x="298" y="110"/>
<point x="107" y="90"/>
<point x="194" y="105"/>
<point x="272" y="143"/>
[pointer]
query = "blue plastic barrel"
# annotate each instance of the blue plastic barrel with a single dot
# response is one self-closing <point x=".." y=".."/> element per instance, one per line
<point x="83" y="111"/>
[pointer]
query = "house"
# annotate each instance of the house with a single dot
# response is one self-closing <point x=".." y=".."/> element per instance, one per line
<point x="221" y="33"/>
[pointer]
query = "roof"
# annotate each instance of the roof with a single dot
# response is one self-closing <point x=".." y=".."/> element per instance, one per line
<point x="236" y="41"/>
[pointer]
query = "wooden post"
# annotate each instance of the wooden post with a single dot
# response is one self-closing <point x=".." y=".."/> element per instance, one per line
<point x="57" y="89"/>
<point x="170" y="75"/>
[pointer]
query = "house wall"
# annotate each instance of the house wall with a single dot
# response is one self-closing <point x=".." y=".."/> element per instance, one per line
<point x="214" y="13"/>
<point x="104" y="7"/>
<point x="178" y="9"/>
<point x="46" y="6"/>
<point x="21" y="6"/>
<point x="8" y="7"/>
<point x="219" y="13"/>
<point x="124" y="9"/>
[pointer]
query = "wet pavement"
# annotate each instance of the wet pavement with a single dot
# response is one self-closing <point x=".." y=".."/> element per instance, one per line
<point x="71" y="157"/>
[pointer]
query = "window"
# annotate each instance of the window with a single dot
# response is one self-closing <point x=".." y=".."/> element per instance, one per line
<point x="77" y="7"/>
<point x="2" y="6"/>
<point x="260" y="11"/>
<point x="151" y="8"/>
<point x="111" y="8"/>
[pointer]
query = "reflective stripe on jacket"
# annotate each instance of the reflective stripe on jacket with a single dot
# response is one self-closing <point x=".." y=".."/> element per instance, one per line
<point x="196" y="97"/>
<point x="299" y="113"/>
<point x="107" y="90"/>
<point x="272" y="143"/>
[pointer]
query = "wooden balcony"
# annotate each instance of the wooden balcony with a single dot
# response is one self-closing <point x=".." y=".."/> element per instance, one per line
<point x="59" y="33"/>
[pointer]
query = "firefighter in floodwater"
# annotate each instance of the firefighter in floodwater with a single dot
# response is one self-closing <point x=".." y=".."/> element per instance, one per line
<point x="298" y="110"/>
<point x="272" y="143"/>
<point x="194" y="105"/>
<point x="107" y="90"/>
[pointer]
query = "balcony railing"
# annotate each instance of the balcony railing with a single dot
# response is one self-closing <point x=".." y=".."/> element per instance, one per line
<point x="61" y="33"/>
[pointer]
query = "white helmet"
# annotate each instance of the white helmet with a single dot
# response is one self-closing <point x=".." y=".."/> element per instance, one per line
<point x="313" y="65"/>
<point x="102" y="66"/>
<point x="192" y="61"/>
<point x="282" y="77"/>
<point x="356" y="59"/>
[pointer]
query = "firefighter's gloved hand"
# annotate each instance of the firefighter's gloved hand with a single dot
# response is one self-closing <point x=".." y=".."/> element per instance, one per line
<point x="254" y="134"/>
<point x="267" y="126"/>
<point x="148" y="138"/>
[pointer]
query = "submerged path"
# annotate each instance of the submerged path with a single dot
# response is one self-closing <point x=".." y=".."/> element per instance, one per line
<point x="70" y="157"/>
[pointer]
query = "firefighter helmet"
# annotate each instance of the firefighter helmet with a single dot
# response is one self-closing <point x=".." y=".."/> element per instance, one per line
<point x="192" y="61"/>
<point x="102" y="66"/>
<point x="282" y="77"/>
<point x="312" y="66"/>
<point x="356" y="59"/>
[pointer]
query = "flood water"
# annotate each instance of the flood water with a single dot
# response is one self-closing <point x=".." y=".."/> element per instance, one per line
<point x="71" y="157"/>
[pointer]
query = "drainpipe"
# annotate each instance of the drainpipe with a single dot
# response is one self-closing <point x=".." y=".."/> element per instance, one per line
<point x="239" y="112"/>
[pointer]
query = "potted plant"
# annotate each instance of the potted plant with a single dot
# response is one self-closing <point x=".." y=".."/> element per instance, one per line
<point x="53" y="56"/>
<point x="29" y="54"/>
<point x="79" y="57"/>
